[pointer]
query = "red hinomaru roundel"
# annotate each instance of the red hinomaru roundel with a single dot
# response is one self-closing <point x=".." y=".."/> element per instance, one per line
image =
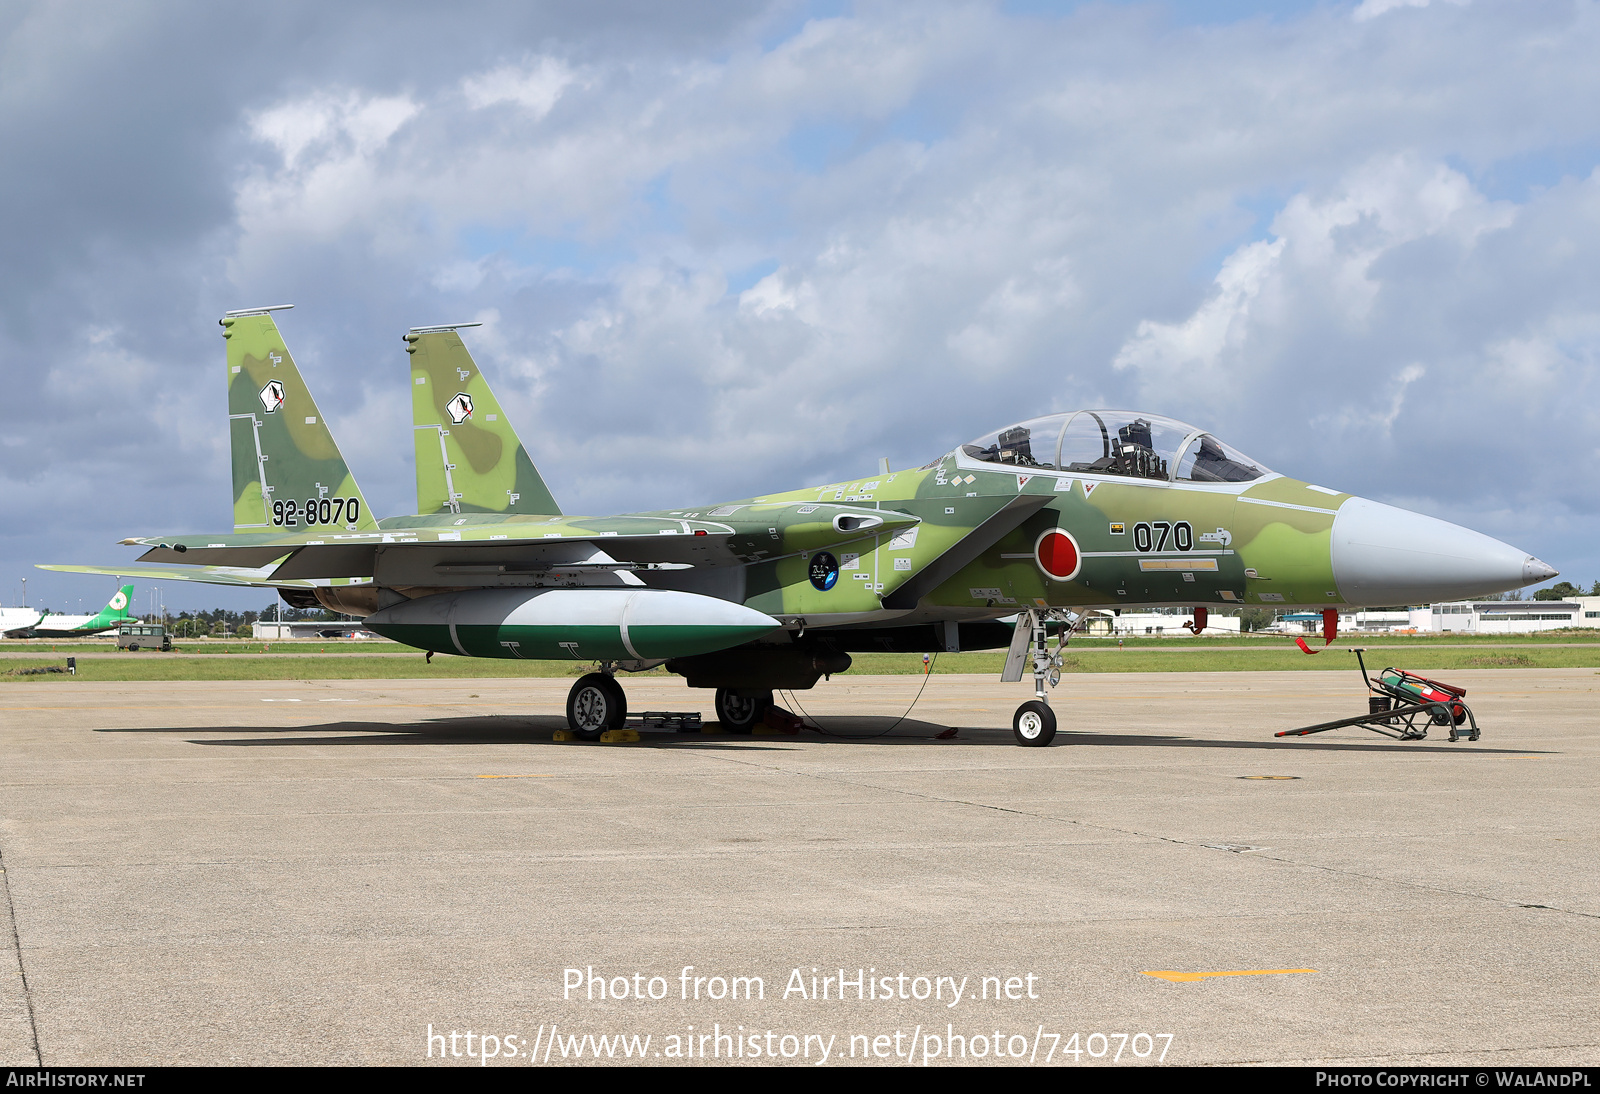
<point x="1057" y="554"/>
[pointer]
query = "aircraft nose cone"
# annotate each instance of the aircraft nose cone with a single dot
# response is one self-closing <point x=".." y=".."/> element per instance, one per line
<point x="1383" y="555"/>
<point x="1535" y="571"/>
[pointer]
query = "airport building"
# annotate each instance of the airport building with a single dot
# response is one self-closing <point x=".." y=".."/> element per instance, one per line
<point x="277" y="632"/>
<point x="1457" y="617"/>
<point x="1104" y="623"/>
<point x="1506" y="616"/>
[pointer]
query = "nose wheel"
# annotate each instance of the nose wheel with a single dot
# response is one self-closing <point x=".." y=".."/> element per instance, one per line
<point x="595" y="704"/>
<point x="1034" y="723"/>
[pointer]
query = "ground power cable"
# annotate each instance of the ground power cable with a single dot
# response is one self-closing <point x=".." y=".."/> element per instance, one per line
<point x="818" y="726"/>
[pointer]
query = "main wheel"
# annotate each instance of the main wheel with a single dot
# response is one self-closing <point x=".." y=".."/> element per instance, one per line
<point x="595" y="704"/>
<point x="741" y="711"/>
<point x="1034" y="724"/>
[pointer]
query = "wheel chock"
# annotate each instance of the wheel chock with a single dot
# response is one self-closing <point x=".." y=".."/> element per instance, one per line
<point x="777" y="720"/>
<point x="619" y="736"/>
<point x="564" y="735"/>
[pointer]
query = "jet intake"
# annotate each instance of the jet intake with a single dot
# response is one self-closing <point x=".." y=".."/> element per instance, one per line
<point x="852" y="522"/>
<point x="596" y="624"/>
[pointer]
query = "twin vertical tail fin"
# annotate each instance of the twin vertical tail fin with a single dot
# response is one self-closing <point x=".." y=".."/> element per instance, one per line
<point x="469" y="459"/>
<point x="288" y="474"/>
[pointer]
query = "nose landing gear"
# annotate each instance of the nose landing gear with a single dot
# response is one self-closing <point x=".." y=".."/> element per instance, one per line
<point x="1034" y="723"/>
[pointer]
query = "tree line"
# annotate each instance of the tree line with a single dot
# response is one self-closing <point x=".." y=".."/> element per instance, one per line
<point x="219" y="621"/>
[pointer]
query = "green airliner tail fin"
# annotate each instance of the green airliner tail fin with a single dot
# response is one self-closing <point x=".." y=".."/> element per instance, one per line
<point x="287" y="470"/>
<point x="469" y="458"/>
<point x="115" y="611"/>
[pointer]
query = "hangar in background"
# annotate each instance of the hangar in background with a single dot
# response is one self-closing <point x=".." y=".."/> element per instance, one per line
<point x="1507" y="616"/>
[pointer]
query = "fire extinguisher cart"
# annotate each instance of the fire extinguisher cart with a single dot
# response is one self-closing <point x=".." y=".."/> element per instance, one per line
<point x="1403" y="705"/>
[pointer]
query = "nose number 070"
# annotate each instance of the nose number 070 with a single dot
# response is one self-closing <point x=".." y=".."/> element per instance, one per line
<point x="1154" y="535"/>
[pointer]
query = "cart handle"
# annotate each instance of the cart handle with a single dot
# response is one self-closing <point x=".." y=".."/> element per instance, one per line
<point x="1358" y="651"/>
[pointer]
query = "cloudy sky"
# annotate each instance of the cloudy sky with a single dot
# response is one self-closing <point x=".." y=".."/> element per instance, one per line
<point x="726" y="248"/>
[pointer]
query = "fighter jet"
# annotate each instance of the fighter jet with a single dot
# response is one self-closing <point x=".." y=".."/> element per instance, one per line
<point x="45" y="625"/>
<point x="1037" y="522"/>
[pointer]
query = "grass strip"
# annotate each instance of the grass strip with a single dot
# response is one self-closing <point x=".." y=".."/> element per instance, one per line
<point x="275" y="667"/>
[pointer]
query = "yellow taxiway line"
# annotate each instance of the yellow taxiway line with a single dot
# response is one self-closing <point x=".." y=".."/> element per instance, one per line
<point x="1186" y="977"/>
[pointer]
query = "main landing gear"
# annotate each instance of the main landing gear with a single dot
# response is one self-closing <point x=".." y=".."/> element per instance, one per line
<point x="595" y="704"/>
<point x="741" y="711"/>
<point x="1034" y="723"/>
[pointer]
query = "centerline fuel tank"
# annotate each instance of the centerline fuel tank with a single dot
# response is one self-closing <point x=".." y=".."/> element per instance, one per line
<point x="578" y="624"/>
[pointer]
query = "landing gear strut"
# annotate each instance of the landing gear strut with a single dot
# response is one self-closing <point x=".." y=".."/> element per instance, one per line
<point x="595" y="704"/>
<point x="741" y="711"/>
<point x="1034" y="723"/>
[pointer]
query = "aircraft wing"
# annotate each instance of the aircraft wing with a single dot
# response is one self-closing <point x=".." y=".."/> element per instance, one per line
<point x="439" y="546"/>
<point x="348" y="554"/>
<point x="210" y="575"/>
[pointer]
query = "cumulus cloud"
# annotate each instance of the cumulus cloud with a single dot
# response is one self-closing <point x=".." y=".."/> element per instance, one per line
<point x="1318" y="273"/>
<point x="1371" y="9"/>
<point x="362" y="123"/>
<point x="535" y="86"/>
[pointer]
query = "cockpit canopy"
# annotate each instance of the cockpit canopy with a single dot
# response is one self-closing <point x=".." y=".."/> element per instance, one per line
<point x="1117" y="442"/>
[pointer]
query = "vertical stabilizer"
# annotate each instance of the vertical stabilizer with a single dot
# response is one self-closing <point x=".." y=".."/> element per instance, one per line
<point x="287" y="470"/>
<point x="115" y="611"/>
<point x="469" y="459"/>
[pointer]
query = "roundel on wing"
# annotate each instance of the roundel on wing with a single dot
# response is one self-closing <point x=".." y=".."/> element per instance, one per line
<point x="119" y="601"/>
<point x="1057" y="555"/>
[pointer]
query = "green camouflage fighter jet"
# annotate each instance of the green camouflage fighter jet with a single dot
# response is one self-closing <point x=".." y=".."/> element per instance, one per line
<point x="1041" y="521"/>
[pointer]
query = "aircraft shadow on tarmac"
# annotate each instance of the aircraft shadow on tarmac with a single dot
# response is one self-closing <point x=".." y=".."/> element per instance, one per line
<point x="857" y="730"/>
